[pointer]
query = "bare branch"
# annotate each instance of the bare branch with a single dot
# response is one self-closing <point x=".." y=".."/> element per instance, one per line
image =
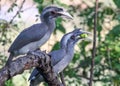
<point x="94" y="44"/>
<point x="18" y="11"/>
<point x="48" y="73"/>
<point x="40" y="60"/>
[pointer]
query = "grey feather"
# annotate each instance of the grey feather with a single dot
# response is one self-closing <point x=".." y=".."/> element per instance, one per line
<point x="54" y="56"/>
<point x="35" y="36"/>
<point x="31" y="34"/>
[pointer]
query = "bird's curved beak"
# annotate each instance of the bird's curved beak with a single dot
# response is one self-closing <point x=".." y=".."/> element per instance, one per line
<point x="65" y="14"/>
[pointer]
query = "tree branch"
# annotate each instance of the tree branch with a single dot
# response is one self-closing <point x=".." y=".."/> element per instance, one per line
<point x="94" y="44"/>
<point x="48" y="73"/>
<point x="18" y="11"/>
<point x="40" y="60"/>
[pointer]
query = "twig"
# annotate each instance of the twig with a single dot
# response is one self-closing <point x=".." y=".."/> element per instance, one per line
<point x="18" y="11"/>
<point x="94" y="44"/>
<point x="62" y="78"/>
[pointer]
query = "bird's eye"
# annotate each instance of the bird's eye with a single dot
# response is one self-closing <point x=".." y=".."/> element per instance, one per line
<point x="73" y="37"/>
<point x="53" y="12"/>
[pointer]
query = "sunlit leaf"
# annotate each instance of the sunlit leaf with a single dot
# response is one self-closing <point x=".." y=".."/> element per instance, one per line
<point x="117" y="2"/>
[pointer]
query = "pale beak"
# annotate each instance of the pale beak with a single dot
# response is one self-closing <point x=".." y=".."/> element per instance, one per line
<point x="65" y="14"/>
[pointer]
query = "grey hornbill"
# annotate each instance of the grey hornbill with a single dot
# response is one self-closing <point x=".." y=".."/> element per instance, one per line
<point x="62" y="57"/>
<point x="35" y="36"/>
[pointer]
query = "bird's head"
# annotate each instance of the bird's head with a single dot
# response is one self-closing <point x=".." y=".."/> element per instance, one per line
<point x="78" y="34"/>
<point x="52" y="12"/>
<point x="73" y="37"/>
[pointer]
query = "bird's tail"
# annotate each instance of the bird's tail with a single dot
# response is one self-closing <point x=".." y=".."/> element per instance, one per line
<point x="31" y="83"/>
<point x="9" y="59"/>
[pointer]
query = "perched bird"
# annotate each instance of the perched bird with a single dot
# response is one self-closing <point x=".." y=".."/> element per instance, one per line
<point x="35" y="36"/>
<point x="60" y="58"/>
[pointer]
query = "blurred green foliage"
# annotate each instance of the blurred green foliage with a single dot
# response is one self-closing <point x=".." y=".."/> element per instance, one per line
<point x="9" y="83"/>
<point x="107" y="60"/>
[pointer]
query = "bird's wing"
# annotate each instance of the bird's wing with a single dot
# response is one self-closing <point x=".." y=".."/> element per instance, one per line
<point x="57" y="55"/>
<point x="31" y="34"/>
<point x="62" y="64"/>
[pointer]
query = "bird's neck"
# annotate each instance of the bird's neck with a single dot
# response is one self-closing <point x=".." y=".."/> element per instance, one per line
<point x="63" y="45"/>
<point x="50" y="24"/>
<point x="70" y="49"/>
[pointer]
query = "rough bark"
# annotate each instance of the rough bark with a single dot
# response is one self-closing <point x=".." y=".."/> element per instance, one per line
<point x="39" y="59"/>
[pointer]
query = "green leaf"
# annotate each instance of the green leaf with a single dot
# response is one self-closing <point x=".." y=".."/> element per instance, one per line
<point x="85" y="63"/>
<point x="59" y="26"/>
<point x="108" y="11"/>
<point x="76" y="57"/>
<point x="116" y="66"/>
<point x="39" y="1"/>
<point x="56" y="46"/>
<point x="99" y="28"/>
<point x="40" y="8"/>
<point x="9" y="83"/>
<point x="118" y="17"/>
<point x="117" y="2"/>
<point x="114" y="33"/>
<point x="98" y="59"/>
